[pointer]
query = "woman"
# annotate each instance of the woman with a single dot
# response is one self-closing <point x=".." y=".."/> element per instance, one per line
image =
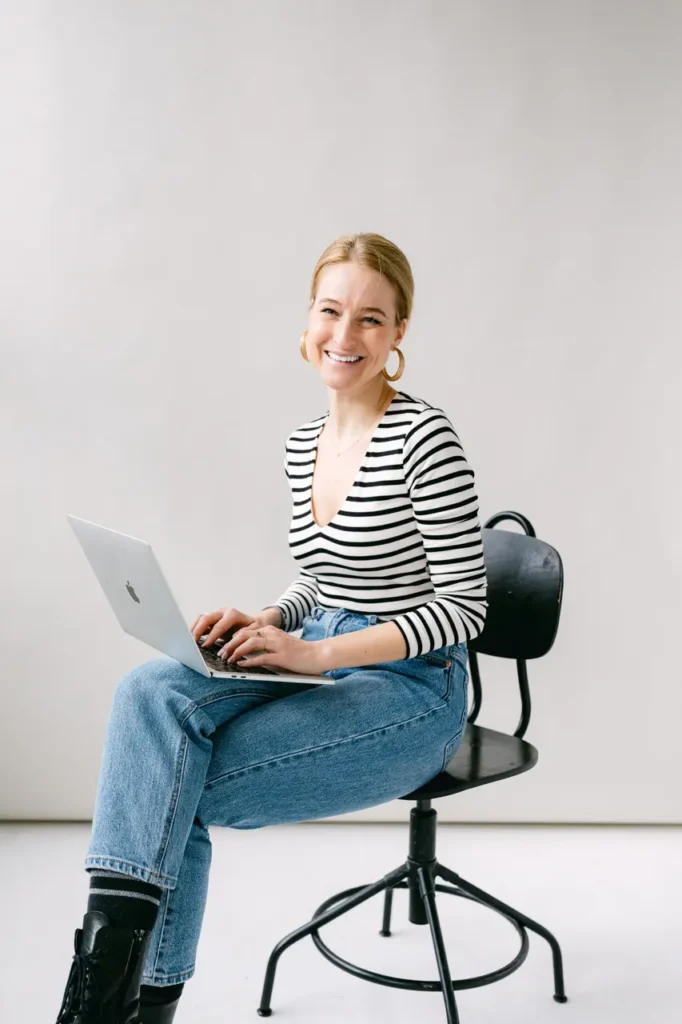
<point x="392" y="586"/>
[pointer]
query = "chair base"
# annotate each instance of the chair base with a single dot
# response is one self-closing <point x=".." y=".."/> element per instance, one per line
<point x="419" y="985"/>
<point x="418" y="875"/>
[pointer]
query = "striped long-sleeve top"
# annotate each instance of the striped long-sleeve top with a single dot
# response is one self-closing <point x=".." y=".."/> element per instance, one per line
<point x="406" y="543"/>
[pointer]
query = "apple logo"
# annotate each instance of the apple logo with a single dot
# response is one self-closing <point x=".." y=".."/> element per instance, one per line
<point x="131" y="591"/>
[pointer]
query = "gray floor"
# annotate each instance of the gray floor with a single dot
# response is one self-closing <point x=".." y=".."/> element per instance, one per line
<point x="613" y="897"/>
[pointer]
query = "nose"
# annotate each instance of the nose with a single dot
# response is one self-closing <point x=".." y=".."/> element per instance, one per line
<point x="342" y="335"/>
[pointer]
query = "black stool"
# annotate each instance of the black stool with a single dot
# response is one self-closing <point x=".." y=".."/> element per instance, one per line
<point x="525" y="584"/>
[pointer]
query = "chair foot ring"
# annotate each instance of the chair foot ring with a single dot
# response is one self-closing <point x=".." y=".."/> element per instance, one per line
<point x="417" y="984"/>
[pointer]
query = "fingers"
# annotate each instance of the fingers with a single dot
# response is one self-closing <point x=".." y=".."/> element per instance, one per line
<point x="251" y="650"/>
<point x="234" y="643"/>
<point x="220" y="627"/>
<point x="223" y="623"/>
<point x="217" y="623"/>
<point x="200" y="624"/>
<point x="245" y="641"/>
<point x="204" y="622"/>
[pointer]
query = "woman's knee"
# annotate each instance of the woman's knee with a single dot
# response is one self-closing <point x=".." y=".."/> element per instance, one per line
<point x="149" y="681"/>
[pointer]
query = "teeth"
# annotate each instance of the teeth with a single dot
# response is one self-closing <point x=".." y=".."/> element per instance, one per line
<point x="343" y="359"/>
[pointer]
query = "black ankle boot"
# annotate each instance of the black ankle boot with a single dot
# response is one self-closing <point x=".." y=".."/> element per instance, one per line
<point x="163" y="1013"/>
<point x="104" y="984"/>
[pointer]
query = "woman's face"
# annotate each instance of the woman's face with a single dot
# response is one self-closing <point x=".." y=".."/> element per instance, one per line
<point x="353" y="315"/>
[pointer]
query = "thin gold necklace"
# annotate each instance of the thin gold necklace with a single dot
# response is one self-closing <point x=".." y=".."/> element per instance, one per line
<point x="373" y="426"/>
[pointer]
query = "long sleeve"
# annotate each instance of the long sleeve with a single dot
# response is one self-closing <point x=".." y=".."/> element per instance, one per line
<point x="441" y="486"/>
<point x="297" y="601"/>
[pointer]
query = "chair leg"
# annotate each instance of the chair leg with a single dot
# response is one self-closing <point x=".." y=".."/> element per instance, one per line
<point x="388" y="906"/>
<point x="429" y="897"/>
<point x="495" y="904"/>
<point x="386" y="882"/>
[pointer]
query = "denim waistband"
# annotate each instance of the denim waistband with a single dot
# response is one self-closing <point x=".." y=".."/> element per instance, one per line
<point x="328" y="614"/>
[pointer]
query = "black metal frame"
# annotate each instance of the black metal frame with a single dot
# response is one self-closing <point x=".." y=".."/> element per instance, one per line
<point x="418" y="874"/>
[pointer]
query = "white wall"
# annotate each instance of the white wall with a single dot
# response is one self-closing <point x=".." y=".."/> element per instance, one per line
<point x="170" y="174"/>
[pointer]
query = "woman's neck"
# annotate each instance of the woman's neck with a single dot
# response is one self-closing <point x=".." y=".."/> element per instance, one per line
<point x="350" y="416"/>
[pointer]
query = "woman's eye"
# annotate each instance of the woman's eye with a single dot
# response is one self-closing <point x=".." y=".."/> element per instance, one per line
<point x="328" y="309"/>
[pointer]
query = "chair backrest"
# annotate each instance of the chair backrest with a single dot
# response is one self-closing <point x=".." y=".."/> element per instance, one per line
<point x="525" y="587"/>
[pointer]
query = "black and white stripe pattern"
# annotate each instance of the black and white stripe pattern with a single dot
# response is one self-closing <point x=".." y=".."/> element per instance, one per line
<point x="113" y="883"/>
<point x="406" y="543"/>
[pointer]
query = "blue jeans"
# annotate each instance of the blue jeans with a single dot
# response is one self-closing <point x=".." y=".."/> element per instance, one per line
<point x="183" y="752"/>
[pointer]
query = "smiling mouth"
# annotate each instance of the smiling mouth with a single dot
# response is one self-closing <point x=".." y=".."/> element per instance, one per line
<point x="356" y="359"/>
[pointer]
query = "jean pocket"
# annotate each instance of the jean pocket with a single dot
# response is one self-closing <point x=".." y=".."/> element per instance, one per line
<point x="439" y="668"/>
<point x="436" y="659"/>
<point x="444" y="656"/>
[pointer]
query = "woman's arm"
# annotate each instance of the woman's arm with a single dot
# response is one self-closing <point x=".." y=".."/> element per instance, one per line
<point x="383" y="642"/>
<point x="442" y="490"/>
<point x="271" y="616"/>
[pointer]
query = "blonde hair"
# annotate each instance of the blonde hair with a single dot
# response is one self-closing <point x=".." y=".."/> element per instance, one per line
<point x="376" y="252"/>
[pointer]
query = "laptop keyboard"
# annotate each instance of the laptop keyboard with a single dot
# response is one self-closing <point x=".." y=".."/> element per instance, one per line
<point x="210" y="656"/>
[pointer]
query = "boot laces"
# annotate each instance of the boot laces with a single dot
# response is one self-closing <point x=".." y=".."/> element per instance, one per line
<point x="82" y="996"/>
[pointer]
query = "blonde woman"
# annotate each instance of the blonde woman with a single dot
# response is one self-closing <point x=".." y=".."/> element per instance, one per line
<point x="392" y="585"/>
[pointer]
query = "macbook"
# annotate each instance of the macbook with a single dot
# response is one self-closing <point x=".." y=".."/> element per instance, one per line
<point x="141" y="599"/>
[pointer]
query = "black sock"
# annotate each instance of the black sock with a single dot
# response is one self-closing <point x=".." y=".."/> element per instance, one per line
<point x="127" y="902"/>
<point x="156" y="995"/>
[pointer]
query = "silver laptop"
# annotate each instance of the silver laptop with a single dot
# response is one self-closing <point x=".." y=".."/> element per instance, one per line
<point x="136" y="589"/>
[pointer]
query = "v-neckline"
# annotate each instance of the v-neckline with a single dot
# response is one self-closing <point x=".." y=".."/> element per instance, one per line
<point x="316" y="439"/>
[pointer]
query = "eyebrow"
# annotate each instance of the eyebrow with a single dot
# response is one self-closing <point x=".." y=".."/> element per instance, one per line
<point x="365" y="309"/>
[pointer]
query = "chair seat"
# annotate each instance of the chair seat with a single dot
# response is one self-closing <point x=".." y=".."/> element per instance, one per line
<point x="483" y="756"/>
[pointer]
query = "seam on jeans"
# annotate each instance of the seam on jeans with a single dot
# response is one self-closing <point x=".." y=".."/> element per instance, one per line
<point x="334" y="619"/>
<point x="447" y="757"/>
<point x="170" y="979"/>
<point x="180" y="774"/>
<point x="163" y="925"/>
<point x="227" y="696"/>
<point x="325" y="746"/>
<point x="214" y="697"/>
<point x="175" y="796"/>
<point x="93" y="860"/>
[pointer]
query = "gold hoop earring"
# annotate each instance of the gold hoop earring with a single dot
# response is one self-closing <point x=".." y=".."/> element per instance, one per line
<point x="302" y="347"/>
<point x="401" y="366"/>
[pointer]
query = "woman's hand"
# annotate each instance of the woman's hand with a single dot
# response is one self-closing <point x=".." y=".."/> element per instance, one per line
<point x="267" y="645"/>
<point x="226" y="620"/>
